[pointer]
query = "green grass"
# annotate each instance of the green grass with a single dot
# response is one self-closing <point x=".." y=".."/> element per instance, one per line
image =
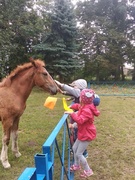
<point x="111" y="155"/>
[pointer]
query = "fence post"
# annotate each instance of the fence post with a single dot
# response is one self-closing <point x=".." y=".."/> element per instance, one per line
<point x="44" y="163"/>
<point x="43" y="166"/>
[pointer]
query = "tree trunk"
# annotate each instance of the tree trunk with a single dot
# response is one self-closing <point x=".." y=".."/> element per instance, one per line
<point x="122" y="74"/>
<point x="117" y="73"/>
<point x="133" y="74"/>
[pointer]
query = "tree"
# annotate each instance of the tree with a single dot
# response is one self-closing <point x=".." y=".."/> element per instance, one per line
<point x="4" y="40"/>
<point x="131" y="36"/>
<point x="104" y="34"/>
<point x="20" y="27"/>
<point x="58" y="47"/>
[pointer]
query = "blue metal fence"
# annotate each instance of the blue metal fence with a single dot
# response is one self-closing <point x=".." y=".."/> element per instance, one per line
<point x="45" y="162"/>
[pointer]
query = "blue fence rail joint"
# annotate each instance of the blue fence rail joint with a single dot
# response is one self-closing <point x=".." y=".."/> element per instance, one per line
<point x="44" y="162"/>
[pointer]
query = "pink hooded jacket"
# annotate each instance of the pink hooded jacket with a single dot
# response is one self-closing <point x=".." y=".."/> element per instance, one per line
<point x="84" y="118"/>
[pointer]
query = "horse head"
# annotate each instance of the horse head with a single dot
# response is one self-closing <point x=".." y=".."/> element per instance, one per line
<point x="42" y="78"/>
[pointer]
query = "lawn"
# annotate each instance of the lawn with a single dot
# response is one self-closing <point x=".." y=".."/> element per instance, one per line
<point x="111" y="155"/>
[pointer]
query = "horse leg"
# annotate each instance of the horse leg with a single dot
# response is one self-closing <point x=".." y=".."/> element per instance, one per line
<point x="5" y="143"/>
<point x="14" y="136"/>
<point x="15" y="149"/>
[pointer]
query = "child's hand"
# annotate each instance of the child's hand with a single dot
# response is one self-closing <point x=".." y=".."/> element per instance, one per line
<point x="58" y="84"/>
<point x="69" y="99"/>
<point x="70" y="125"/>
<point x="60" y="91"/>
<point x="68" y="112"/>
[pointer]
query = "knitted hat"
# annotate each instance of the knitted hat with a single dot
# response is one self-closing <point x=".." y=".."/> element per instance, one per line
<point x="87" y="96"/>
<point x="80" y="83"/>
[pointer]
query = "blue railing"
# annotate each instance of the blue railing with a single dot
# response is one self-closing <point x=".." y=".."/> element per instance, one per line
<point x="45" y="165"/>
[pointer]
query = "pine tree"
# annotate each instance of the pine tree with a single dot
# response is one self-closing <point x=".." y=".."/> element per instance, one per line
<point x="20" y="26"/>
<point x="59" y="45"/>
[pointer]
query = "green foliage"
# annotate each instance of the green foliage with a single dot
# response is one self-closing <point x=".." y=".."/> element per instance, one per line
<point x="104" y="31"/>
<point x="21" y="27"/>
<point x="97" y="48"/>
<point x="58" y="46"/>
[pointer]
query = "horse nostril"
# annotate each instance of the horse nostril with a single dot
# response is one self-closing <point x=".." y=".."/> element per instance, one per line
<point x="54" y="90"/>
<point x="54" y="93"/>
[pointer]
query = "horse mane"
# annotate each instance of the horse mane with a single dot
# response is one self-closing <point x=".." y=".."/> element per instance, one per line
<point x="7" y="80"/>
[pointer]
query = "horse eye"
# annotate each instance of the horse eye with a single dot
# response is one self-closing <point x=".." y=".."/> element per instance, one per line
<point x="45" y="74"/>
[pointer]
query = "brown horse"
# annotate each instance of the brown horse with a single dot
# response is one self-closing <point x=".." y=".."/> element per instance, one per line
<point x="14" y="91"/>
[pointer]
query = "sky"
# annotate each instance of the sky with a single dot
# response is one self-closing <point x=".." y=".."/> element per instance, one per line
<point x="75" y="1"/>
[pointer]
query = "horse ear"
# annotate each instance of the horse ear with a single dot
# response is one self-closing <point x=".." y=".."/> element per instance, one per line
<point x="32" y="61"/>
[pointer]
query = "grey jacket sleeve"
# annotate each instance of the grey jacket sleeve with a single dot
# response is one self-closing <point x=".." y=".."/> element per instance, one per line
<point x="72" y="91"/>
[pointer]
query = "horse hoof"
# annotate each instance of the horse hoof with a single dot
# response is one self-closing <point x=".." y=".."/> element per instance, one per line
<point x="6" y="165"/>
<point x="17" y="154"/>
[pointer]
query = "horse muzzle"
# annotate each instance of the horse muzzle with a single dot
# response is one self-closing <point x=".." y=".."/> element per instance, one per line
<point x="53" y="90"/>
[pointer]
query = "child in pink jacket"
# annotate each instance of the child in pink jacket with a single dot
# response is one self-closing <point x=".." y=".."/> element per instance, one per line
<point x="84" y="117"/>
